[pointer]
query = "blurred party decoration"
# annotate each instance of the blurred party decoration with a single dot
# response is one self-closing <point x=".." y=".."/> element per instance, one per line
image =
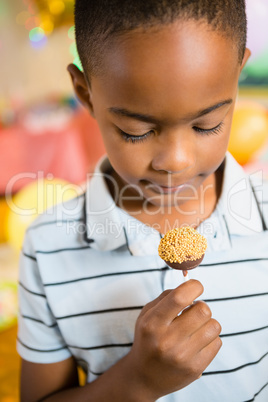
<point x="8" y="304"/>
<point x="56" y="7"/>
<point x="42" y="17"/>
<point x="259" y="68"/>
<point x="51" y="136"/>
<point x="54" y="13"/>
<point x="249" y="130"/>
<point x="71" y="33"/>
<point x="32" y="200"/>
<point x="30" y="6"/>
<point x="73" y="49"/>
<point x="22" y="17"/>
<point x="3" y="217"/>
<point x="4" y="10"/>
<point x="37" y="37"/>
<point x="255" y="72"/>
<point x="257" y="15"/>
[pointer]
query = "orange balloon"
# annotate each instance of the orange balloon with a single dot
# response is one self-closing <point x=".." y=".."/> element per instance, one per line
<point x="249" y="130"/>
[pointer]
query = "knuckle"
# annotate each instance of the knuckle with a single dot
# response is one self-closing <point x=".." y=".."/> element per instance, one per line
<point x="145" y="310"/>
<point x="218" y="343"/>
<point x="182" y="354"/>
<point x="212" y="330"/>
<point x="146" y="328"/>
<point x="181" y="358"/>
<point x="215" y="325"/>
<point x="162" y="348"/>
<point x="215" y="346"/>
<point x="166" y="292"/>
<point x="179" y="299"/>
<point x="203" y="310"/>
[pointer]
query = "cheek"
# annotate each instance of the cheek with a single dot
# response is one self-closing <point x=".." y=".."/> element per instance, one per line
<point x="211" y="152"/>
<point x="127" y="159"/>
<point x="219" y="147"/>
<point x="222" y="146"/>
<point x="218" y="143"/>
<point x="227" y="128"/>
<point x="217" y="152"/>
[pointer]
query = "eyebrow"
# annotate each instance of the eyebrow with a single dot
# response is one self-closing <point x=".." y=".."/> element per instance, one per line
<point x="151" y="119"/>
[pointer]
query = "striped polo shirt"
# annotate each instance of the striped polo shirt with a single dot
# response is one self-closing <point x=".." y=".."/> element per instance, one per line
<point x="87" y="268"/>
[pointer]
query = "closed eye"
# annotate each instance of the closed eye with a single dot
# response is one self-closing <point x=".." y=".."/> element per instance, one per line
<point x="214" y="130"/>
<point x="139" y="138"/>
<point x="135" y="138"/>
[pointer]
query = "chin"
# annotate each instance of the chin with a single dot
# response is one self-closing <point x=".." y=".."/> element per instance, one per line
<point x="162" y="202"/>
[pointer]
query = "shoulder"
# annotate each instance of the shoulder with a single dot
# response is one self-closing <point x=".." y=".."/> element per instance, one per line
<point x="55" y="225"/>
<point x="68" y="210"/>
<point x="55" y="245"/>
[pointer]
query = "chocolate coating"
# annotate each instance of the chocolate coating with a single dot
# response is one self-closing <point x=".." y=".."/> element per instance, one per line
<point x="185" y="265"/>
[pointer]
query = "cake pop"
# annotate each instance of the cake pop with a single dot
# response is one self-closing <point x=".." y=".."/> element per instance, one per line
<point x="182" y="248"/>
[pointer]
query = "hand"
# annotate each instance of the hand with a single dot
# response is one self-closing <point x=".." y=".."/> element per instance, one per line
<point x="170" y="351"/>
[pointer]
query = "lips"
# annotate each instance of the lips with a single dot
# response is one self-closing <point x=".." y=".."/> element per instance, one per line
<point x="160" y="189"/>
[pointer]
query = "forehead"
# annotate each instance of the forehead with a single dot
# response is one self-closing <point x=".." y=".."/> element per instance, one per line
<point x="185" y="62"/>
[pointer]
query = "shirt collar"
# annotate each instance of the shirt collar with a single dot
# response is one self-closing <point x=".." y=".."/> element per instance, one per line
<point x="237" y="202"/>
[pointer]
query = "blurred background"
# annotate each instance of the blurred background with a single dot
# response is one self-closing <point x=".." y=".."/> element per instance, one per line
<point x="48" y="142"/>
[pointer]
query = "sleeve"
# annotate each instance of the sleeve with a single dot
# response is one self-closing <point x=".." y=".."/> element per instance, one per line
<point x="39" y="338"/>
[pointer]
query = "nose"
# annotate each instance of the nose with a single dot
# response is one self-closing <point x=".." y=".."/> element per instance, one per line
<point x="175" y="152"/>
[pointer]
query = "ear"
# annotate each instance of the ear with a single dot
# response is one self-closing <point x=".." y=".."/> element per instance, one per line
<point x="245" y="58"/>
<point x="81" y="87"/>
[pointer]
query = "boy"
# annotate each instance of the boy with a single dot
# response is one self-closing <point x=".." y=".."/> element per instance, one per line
<point x="160" y="77"/>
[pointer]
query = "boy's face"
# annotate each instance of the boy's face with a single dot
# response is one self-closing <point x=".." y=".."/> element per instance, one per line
<point x="172" y="91"/>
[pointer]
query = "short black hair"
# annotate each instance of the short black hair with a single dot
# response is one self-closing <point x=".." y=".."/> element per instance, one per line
<point x="96" y="21"/>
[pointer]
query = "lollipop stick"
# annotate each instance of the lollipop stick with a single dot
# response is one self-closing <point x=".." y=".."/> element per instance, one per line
<point x="186" y="276"/>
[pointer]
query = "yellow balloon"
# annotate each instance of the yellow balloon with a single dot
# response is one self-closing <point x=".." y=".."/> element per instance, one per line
<point x="249" y="130"/>
<point x="32" y="200"/>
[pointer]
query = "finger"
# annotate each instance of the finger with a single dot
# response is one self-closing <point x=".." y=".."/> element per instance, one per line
<point x="192" y="318"/>
<point x="154" y="302"/>
<point x="167" y="309"/>
<point x="207" y="354"/>
<point x="205" y="335"/>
